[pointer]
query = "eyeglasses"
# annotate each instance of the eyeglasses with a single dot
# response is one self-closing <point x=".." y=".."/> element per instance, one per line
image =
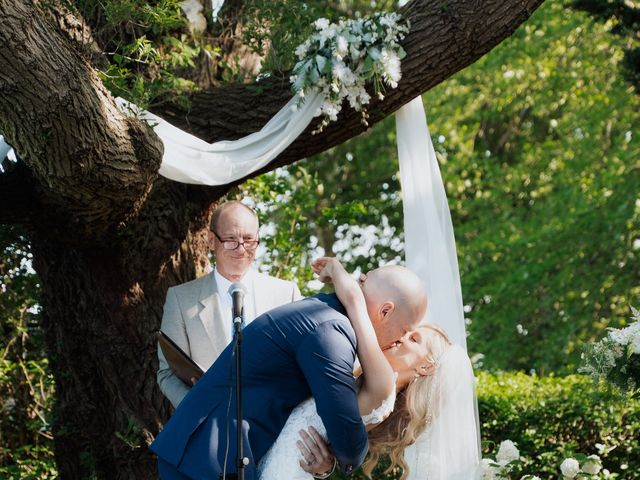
<point x="248" y="245"/>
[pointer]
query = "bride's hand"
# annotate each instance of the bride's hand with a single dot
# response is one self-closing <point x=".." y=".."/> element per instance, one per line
<point x="326" y="268"/>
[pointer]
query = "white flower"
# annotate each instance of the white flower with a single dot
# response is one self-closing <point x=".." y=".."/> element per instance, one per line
<point x="592" y="465"/>
<point x="570" y="468"/>
<point x="302" y="49"/>
<point x="488" y="470"/>
<point x="508" y="452"/>
<point x="332" y="61"/>
<point x="621" y="337"/>
<point x="635" y="345"/>
<point x="345" y="76"/>
<point x="391" y="64"/>
<point x="342" y="46"/>
<point x="322" y="24"/>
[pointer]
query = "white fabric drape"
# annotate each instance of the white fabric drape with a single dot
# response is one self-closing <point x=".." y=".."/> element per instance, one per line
<point x="188" y="159"/>
<point x="5" y="148"/>
<point x="430" y="248"/>
<point x="449" y="448"/>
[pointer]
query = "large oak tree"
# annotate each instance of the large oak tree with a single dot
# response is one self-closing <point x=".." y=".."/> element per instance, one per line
<point x="109" y="235"/>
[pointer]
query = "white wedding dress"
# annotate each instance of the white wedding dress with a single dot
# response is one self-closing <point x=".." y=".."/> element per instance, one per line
<point x="282" y="459"/>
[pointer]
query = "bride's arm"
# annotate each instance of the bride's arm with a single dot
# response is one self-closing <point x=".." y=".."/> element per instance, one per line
<point x="378" y="377"/>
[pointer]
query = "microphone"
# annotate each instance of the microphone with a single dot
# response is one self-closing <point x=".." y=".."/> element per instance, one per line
<point x="237" y="291"/>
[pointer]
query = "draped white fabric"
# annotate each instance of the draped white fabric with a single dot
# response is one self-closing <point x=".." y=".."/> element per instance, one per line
<point x="449" y="448"/>
<point x="5" y="148"/>
<point x="430" y="248"/>
<point x="188" y="159"/>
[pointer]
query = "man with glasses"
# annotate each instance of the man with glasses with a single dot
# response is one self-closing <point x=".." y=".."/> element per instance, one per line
<point x="197" y="314"/>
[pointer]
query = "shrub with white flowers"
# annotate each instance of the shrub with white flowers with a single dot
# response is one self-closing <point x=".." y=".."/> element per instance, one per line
<point x="616" y="358"/>
<point x="339" y="58"/>
<point x="581" y="467"/>
<point x="508" y="465"/>
<point x="506" y="458"/>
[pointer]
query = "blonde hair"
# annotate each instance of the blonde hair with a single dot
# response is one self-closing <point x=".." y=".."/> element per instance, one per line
<point x="412" y="412"/>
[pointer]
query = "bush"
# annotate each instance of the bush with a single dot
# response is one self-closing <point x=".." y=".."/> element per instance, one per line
<point x="553" y="418"/>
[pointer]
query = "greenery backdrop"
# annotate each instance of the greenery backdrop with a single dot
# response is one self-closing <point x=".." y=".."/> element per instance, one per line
<point x="539" y="149"/>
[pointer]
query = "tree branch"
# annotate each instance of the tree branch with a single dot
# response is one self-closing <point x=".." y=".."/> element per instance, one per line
<point x="445" y="37"/>
<point x="92" y="163"/>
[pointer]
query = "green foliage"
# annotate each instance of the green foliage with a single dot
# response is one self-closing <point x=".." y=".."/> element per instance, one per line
<point x="26" y="385"/>
<point x="622" y="18"/>
<point x="541" y="168"/>
<point x="274" y="29"/>
<point x="294" y="22"/>
<point x="551" y="419"/>
<point x="342" y="204"/>
<point x="538" y="148"/>
<point x="148" y="48"/>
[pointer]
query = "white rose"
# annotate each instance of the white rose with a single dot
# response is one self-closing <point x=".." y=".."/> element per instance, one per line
<point x="620" y="337"/>
<point x="635" y="344"/>
<point x="322" y="23"/>
<point x="488" y="470"/>
<point x="342" y="46"/>
<point x="570" y="468"/>
<point x="592" y="465"/>
<point x="507" y="452"/>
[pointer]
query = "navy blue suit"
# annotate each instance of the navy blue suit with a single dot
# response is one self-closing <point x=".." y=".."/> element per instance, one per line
<point x="291" y="353"/>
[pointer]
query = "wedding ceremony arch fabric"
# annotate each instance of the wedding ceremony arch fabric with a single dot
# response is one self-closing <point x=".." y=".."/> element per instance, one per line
<point x="188" y="159"/>
<point x="450" y="447"/>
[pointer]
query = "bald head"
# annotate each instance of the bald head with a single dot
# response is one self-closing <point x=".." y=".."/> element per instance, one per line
<point x="396" y="301"/>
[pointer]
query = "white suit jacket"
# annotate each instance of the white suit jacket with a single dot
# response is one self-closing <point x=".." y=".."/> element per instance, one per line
<point x="193" y="319"/>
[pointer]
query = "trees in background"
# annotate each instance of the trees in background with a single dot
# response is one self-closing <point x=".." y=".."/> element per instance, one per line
<point x="539" y="149"/>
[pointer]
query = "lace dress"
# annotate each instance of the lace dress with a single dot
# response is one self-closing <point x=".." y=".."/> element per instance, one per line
<point x="281" y="461"/>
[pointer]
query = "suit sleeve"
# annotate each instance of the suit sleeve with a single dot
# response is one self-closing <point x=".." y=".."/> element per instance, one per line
<point x="173" y="325"/>
<point x="326" y="357"/>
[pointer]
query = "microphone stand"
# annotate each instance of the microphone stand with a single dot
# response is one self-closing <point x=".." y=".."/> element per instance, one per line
<point x="241" y="460"/>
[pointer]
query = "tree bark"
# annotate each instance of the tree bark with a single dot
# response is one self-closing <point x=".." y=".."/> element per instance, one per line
<point x="102" y="305"/>
<point x="109" y="236"/>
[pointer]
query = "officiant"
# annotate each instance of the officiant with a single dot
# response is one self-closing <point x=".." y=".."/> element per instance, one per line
<point x="197" y="314"/>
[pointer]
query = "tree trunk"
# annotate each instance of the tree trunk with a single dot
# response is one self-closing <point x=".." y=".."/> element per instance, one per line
<point x="102" y="306"/>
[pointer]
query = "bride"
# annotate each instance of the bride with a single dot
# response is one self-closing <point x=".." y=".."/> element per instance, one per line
<point x="402" y="392"/>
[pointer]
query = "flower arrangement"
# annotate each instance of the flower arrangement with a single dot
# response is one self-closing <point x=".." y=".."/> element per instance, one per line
<point x="616" y="358"/>
<point x="339" y="58"/>
<point x="508" y="464"/>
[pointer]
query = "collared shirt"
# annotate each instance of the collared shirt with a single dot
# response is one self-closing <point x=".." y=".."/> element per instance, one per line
<point x="226" y="302"/>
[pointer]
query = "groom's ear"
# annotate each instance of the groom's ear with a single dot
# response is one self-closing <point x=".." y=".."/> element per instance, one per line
<point x="386" y="309"/>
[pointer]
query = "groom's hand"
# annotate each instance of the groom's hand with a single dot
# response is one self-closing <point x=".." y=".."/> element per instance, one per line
<point x="317" y="457"/>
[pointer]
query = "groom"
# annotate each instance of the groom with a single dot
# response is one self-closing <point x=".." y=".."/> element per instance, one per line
<point x="293" y="352"/>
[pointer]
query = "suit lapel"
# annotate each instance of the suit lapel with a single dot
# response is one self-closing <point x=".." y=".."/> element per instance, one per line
<point x="211" y="314"/>
<point x="262" y="297"/>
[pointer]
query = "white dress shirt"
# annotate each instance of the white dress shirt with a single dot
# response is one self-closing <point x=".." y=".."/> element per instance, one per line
<point x="226" y="302"/>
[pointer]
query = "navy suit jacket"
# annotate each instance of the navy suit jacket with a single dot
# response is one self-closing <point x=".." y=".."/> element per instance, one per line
<point x="299" y="350"/>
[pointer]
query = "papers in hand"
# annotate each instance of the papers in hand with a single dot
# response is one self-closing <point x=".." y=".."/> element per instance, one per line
<point x="181" y="364"/>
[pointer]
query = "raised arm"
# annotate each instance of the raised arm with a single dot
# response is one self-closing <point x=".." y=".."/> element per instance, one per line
<point x="378" y="380"/>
